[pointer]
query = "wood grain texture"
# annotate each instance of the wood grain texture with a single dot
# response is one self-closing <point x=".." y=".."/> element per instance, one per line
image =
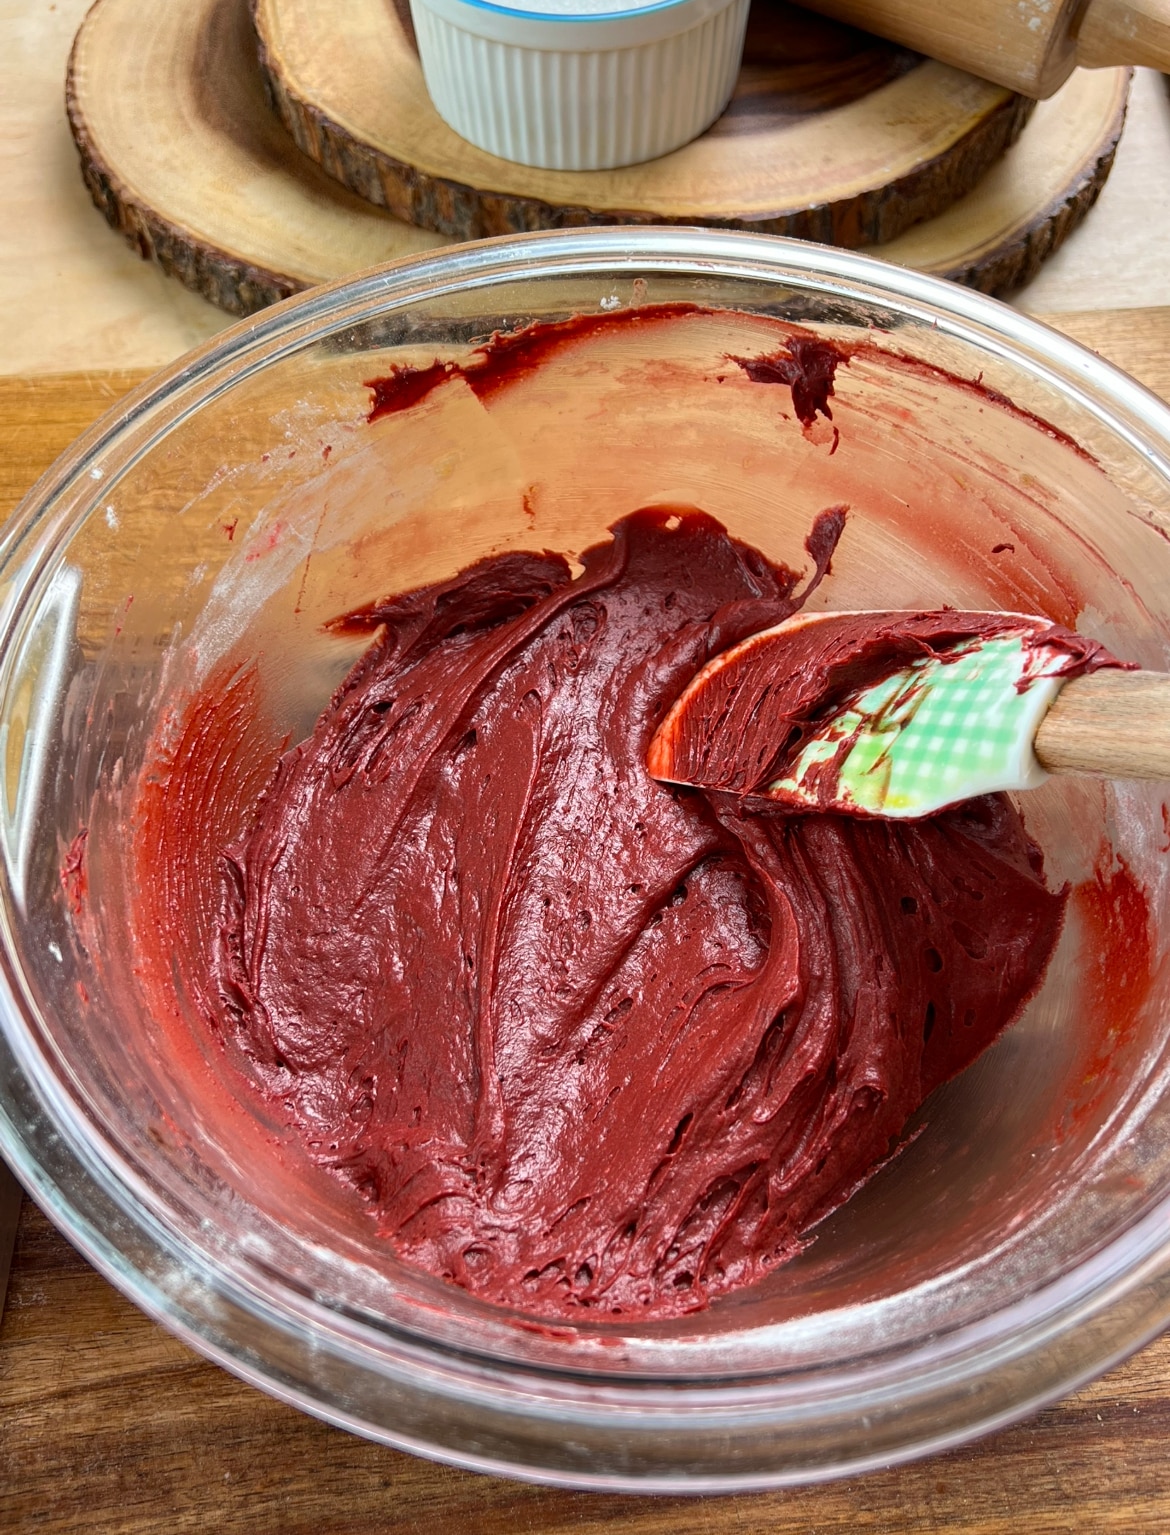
<point x="71" y="294"/>
<point x="214" y="191"/>
<point x="40" y="417"/>
<point x="222" y="200"/>
<point x="1116" y="259"/>
<point x="1027" y="47"/>
<point x="830" y="136"/>
<point x="10" y="1204"/>
<point x="1124" y="32"/>
<point x="1137" y="340"/>
<point x="1001" y="234"/>
<point x="111" y="1425"/>
<point x="1111" y="724"/>
<point x="1031" y="47"/>
<point x="108" y="1424"/>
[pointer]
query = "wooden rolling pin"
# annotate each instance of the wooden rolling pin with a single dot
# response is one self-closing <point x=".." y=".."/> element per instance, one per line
<point x="1030" y="46"/>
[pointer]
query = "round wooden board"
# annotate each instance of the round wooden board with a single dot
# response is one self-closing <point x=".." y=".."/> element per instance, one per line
<point x="182" y="154"/>
<point x="832" y="134"/>
<point x="999" y="235"/>
<point x="218" y="195"/>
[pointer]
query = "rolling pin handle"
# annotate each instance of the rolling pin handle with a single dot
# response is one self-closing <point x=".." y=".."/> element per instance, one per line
<point x="1124" y="32"/>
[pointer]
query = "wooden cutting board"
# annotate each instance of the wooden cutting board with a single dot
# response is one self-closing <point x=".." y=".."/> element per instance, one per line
<point x="108" y="1424"/>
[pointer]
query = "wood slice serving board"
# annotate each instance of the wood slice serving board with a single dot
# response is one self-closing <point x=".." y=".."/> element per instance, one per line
<point x="999" y="235"/>
<point x="831" y="135"/>
<point x="181" y="153"/>
<point x="218" y="194"/>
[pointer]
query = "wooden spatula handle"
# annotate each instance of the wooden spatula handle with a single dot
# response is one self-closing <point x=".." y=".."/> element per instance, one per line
<point x="1111" y="723"/>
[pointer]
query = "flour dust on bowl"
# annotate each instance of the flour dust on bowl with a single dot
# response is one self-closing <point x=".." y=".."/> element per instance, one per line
<point x="202" y="543"/>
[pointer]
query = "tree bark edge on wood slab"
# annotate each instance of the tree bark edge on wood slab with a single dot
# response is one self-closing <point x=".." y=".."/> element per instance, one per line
<point x="1005" y="270"/>
<point x="237" y="286"/>
<point x="1000" y="236"/>
<point x="463" y="211"/>
<point x="994" y="239"/>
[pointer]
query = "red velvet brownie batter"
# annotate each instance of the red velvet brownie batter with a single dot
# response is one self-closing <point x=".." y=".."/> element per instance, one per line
<point x="588" y="1044"/>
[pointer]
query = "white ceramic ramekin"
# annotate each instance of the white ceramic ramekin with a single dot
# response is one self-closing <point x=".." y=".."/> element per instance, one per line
<point x="580" y="85"/>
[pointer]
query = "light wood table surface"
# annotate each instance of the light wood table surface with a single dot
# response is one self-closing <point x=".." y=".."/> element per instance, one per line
<point x="107" y="1423"/>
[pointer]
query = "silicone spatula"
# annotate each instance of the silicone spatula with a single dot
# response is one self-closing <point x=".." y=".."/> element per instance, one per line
<point x="980" y="715"/>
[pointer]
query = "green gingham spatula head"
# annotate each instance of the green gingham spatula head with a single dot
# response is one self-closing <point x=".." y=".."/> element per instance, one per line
<point x="945" y="728"/>
<point x="896" y="713"/>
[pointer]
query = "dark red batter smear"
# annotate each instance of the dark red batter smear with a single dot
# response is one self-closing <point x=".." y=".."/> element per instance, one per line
<point x="808" y="365"/>
<point x="587" y="1044"/>
<point x="512" y="355"/>
<point x="74" y="880"/>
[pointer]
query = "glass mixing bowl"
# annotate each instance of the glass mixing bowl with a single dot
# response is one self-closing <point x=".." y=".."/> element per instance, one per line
<point x="1017" y="1245"/>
